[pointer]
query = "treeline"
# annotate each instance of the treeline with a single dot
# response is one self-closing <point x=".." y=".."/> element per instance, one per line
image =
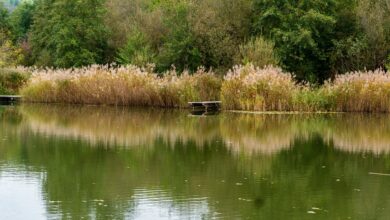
<point x="315" y="39"/>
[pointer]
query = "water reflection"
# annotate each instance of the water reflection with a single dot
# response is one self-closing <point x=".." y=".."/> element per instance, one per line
<point x="249" y="133"/>
<point x="119" y="163"/>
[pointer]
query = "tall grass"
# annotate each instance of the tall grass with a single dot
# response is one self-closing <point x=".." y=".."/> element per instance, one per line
<point x="251" y="88"/>
<point x="243" y="88"/>
<point x="359" y="92"/>
<point x="121" y="86"/>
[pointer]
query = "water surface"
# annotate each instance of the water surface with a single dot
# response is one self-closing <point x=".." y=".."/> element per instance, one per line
<point x="73" y="162"/>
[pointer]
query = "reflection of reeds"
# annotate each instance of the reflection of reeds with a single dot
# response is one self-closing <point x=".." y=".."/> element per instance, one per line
<point x="249" y="133"/>
<point x="359" y="133"/>
<point x="119" y="126"/>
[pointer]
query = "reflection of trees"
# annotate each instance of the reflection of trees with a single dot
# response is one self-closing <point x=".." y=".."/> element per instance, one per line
<point x="83" y="171"/>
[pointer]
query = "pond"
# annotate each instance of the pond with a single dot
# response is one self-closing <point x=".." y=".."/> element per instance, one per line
<point x="86" y="162"/>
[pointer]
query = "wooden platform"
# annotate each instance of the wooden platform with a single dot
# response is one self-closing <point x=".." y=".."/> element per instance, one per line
<point x="206" y="106"/>
<point x="10" y="98"/>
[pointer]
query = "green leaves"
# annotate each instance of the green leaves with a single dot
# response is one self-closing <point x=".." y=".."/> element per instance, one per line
<point x="302" y="32"/>
<point x="69" y="33"/>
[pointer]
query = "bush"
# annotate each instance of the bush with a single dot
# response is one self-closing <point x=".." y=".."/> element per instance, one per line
<point x="12" y="80"/>
<point x="10" y="55"/>
<point x="257" y="51"/>
<point x="137" y="51"/>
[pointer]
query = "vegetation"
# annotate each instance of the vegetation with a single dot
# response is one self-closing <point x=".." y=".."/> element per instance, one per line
<point x="12" y="80"/>
<point x="188" y="43"/>
<point x="243" y="88"/>
<point x="315" y="40"/>
<point x="121" y="86"/>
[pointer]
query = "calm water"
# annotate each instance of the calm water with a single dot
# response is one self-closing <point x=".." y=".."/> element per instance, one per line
<point x="62" y="162"/>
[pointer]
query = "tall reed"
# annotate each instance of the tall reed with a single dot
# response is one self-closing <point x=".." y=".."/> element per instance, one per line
<point x="359" y="92"/>
<point x="251" y="88"/>
<point x="243" y="88"/>
<point x="128" y="85"/>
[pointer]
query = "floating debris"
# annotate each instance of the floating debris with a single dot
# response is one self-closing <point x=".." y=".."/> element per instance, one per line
<point x="311" y="212"/>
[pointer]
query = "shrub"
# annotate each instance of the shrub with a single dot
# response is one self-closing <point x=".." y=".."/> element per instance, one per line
<point x="137" y="51"/>
<point x="251" y="88"/>
<point x="10" y="55"/>
<point x="257" y="51"/>
<point x="12" y="80"/>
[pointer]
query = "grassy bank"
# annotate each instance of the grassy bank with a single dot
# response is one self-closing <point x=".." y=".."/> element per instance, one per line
<point x="243" y="88"/>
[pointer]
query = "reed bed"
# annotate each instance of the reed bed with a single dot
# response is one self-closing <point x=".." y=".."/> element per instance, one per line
<point x="243" y="88"/>
<point x="128" y="85"/>
<point x="251" y="88"/>
<point x="359" y="92"/>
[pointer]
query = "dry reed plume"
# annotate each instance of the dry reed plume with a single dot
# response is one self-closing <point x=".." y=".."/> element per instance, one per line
<point x="243" y="88"/>
<point x="121" y="86"/>
<point x="360" y="92"/>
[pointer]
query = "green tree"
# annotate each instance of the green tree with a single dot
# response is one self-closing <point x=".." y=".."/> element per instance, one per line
<point x="303" y="32"/>
<point x="10" y="55"/>
<point x="374" y="20"/>
<point x="257" y="51"/>
<point x="219" y="27"/>
<point x="137" y="51"/>
<point x="68" y="33"/>
<point x="179" y="47"/>
<point x="3" y="17"/>
<point x="21" y="19"/>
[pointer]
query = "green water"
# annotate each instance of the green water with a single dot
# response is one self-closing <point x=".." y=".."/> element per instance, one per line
<point x="63" y="162"/>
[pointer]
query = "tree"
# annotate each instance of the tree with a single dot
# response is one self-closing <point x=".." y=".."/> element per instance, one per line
<point x="374" y="18"/>
<point x="68" y="33"/>
<point x="178" y="47"/>
<point x="303" y="32"/>
<point x="10" y="55"/>
<point x="3" y="17"/>
<point x="21" y="19"/>
<point x="219" y="27"/>
<point x="257" y="51"/>
<point x="137" y="51"/>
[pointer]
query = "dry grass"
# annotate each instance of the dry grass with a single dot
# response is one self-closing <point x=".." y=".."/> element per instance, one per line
<point x="359" y="92"/>
<point x="251" y="88"/>
<point x="243" y="88"/>
<point x="121" y="86"/>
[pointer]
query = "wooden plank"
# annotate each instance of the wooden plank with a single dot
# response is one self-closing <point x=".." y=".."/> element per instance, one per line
<point x="206" y="105"/>
<point x="206" y="102"/>
<point x="10" y="98"/>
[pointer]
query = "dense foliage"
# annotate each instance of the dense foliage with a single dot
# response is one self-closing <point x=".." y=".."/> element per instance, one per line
<point x="313" y="39"/>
